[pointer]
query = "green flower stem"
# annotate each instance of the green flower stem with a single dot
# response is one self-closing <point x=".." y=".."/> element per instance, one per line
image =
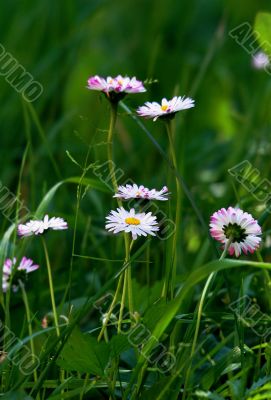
<point x="113" y="118"/>
<point x="127" y="273"/>
<point x="114" y="301"/>
<point x="199" y="314"/>
<point x="122" y="302"/>
<point x="30" y="331"/>
<point x="173" y="264"/>
<point x="127" y="285"/>
<point x="51" y="286"/>
<point x="129" y="276"/>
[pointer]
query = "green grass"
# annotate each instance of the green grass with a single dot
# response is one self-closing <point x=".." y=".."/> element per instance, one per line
<point x="52" y="152"/>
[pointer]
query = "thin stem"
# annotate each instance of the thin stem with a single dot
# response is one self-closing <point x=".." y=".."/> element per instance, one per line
<point x="129" y="277"/>
<point x="127" y="284"/>
<point x="50" y="278"/>
<point x="178" y="209"/>
<point x="113" y="118"/>
<point x="84" y="386"/>
<point x="109" y="312"/>
<point x="200" y="309"/>
<point x="127" y="273"/>
<point x="122" y="302"/>
<point x="29" y="325"/>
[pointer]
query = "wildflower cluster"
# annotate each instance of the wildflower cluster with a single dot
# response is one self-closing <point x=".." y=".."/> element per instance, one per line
<point x="117" y="88"/>
<point x="236" y="229"/>
<point x="139" y="224"/>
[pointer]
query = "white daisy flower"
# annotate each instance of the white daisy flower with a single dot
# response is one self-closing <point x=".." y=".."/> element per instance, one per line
<point x="37" y="227"/>
<point x="238" y="225"/>
<point x="128" y="85"/>
<point x="166" y="108"/>
<point x="140" y="192"/>
<point x="116" y="88"/>
<point x="25" y="267"/>
<point x="139" y="224"/>
<point x="260" y="60"/>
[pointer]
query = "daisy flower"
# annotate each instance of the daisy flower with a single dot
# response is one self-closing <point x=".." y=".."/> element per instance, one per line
<point x="128" y="85"/>
<point x="260" y="60"/>
<point x="37" y="227"/>
<point x="115" y="88"/>
<point x="140" y="192"/>
<point x="167" y="108"/>
<point x="25" y="267"/>
<point x="139" y="224"/>
<point x="238" y="225"/>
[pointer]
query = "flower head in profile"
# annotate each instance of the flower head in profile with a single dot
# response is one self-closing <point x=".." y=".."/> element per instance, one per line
<point x="141" y="192"/>
<point x="167" y="108"/>
<point x="25" y="266"/>
<point x="115" y="88"/>
<point x="37" y="227"/>
<point x="139" y="224"/>
<point x="260" y="60"/>
<point x="237" y="226"/>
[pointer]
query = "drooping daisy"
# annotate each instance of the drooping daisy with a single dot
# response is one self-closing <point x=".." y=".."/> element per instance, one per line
<point x="139" y="224"/>
<point x="140" y="192"/>
<point x="115" y="88"/>
<point x="25" y="267"/>
<point x="37" y="227"/>
<point x="237" y="225"/>
<point x="260" y="60"/>
<point x="167" y="108"/>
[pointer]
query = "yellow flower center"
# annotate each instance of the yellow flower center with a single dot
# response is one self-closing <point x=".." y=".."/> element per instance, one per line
<point x="132" y="221"/>
<point x="164" y="107"/>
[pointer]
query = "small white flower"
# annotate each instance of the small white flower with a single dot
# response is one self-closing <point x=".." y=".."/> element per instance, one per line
<point x="25" y="267"/>
<point x="139" y="224"/>
<point x="118" y="84"/>
<point x="37" y="227"/>
<point x="140" y="192"/>
<point x="166" y="108"/>
<point x="237" y="225"/>
<point x="260" y="60"/>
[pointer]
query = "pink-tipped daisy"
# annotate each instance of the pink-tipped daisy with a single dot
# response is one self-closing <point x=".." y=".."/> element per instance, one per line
<point x="139" y="224"/>
<point x="25" y="266"/>
<point x="115" y="88"/>
<point x="140" y="192"/>
<point x="167" y="109"/>
<point x="37" y="227"/>
<point x="238" y="226"/>
<point x="260" y="60"/>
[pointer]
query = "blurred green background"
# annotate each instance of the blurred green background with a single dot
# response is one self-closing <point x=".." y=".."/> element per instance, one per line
<point x="185" y="47"/>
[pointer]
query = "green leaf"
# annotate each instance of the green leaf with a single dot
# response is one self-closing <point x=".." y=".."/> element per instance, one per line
<point x="262" y="28"/>
<point x="155" y="391"/>
<point x="83" y="353"/>
<point x="118" y="344"/>
<point x="261" y="390"/>
<point x="43" y="207"/>
<point x="172" y="309"/>
<point x="92" y="183"/>
<point x="16" y="396"/>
